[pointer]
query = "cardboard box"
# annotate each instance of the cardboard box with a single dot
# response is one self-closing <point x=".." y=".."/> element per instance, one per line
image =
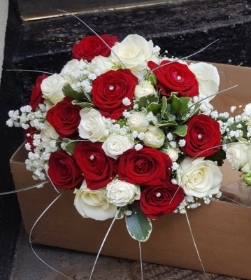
<point x="222" y="230"/>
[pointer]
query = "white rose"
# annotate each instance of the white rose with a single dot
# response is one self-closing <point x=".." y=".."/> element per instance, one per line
<point x="247" y="166"/>
<point x="92" y="125"/>
<point x="236" y="154"/>
<point x="101" y="64"/>
<point x="47" y="134"/>
<point x="52" y="88"/>
<point x="144" y="88"/>
<point x="208" y="78"/>
<point x="116" y="145"/>
<point x="199" y="177"/>
<point x="172" y="153"/>
<point x="138" y="122"/>
<point x="93" y="203"/>
<point x="247" y="109"/>
<point x="132" y="52"/>
<point x="154" y="137"/>
<point x="121" y="193"/>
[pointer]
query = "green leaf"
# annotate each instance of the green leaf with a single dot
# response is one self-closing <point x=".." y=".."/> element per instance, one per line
<point x="138" y="225"/>
<point x="70" y="92"/>
<point x="184" y="104"/>
<point x="167" y="123"/>
<point x="175" y="103"/>
<point x="180" y="130"/>
<point x="82" y="104"/>
<point x="146" y="100"/>
<point x="154" y="108"/>
<point x="151" y="78"/>
<point x="70" y="146"/>
<point x="163" y="106"/>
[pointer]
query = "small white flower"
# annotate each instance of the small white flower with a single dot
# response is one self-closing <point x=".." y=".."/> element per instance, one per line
<point x="126" y="101"/>
<point x="138" y="147"/>
<point x="182" y="143"/>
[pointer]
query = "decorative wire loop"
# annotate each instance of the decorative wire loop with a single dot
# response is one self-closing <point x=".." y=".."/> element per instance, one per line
<point x="30" y="236"/>
<point x="102" y="244"/>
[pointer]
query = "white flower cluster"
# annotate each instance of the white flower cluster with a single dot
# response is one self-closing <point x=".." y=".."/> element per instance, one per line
<point x="25" y="117"/>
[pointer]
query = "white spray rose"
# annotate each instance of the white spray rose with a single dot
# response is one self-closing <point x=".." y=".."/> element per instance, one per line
<point x="52" y="88"/>
<point x="208" y="78"/>
<point x="47" y="134"/>
<point x="101" y="64"/>
<point x="93" y="203"/>
<point x="116" y="145"/>
<point x="236" y="154"/>
<point x="138" y="122"/>
<point x="172" y="153"/>
<point x="121" y="193"/>
<point x="92" y="125"/>
<point x="132" y="51"/>
<point x="199" y="177"/>
<point x="154" y="137"/>
<point x="144" y="88"/>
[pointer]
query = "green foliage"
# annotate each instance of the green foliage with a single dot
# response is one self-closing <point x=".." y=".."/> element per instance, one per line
<point x="180" y="130"/>
<point x="70" y="146"/>
<point x="80" y="96"/>
<point x="145" y="101"/>
<point x="138" y="225"/>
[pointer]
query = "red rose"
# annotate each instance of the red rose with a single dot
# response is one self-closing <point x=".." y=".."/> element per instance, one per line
<point x="109" y="90"/>
<point x="36" y="94"/>
<point x="203" y="136"/>
<point x="29" y="136"/>
<point x="98" y="169"/>
<point x="175" y="76"/>
<point x="147" y="166"/>
<point x="92" y="46"/>
<point x="64" y="171"/>
<point x="156" y="201"/>
<point x="65" y="118"/>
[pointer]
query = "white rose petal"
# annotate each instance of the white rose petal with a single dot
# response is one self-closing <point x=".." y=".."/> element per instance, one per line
<point x="101" y="63"/>
<point x="116" y="145"/>
<point x="247" y="109"/>
<point x="154" y="137"/>
<point x="92" y="125"/>
<point x="144" y="88"/>
<point x="132" y="52"/>
<point x="52" y="88"/>
<point x="208" y="78"/>
<point x="121" y="193"/>
<point x="138" y="122"/>
<point x="199" y="177"/>
<point x="236" y="154"/>
<point x="47" y="134"/>
<point x="173" y="154"/>
<point x="93" y="203"/>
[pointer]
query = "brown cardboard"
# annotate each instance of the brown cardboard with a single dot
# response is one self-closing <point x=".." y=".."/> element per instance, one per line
<point x="222" y="230"/>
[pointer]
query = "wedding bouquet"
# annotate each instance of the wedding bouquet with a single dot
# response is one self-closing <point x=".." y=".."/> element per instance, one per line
<point x="130" y="131"/>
